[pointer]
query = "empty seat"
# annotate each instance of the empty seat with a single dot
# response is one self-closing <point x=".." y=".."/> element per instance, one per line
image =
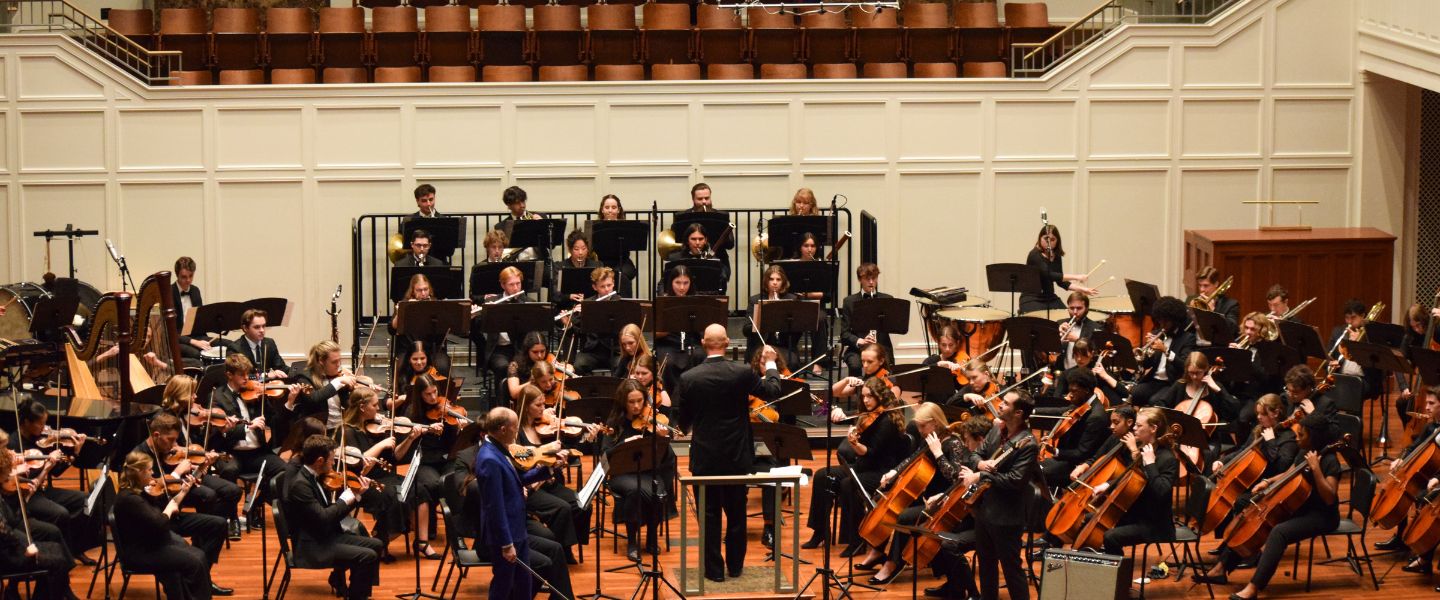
<point x="238" y="54"/>
<point x="774" y="37"/>
<point x="826" y="38"/>
<point x="730" y="71"/>
<point x="500" y="37"/>
<point x="289" y="43"/>
<point x="184" y="30"/>
<point x="557" y="36"/>
<point x="675" y="72"/>
<point x="978" y="33"/>
<point x="505" y="73"/>
<point x="928" y="36"/>
<point x="666" y="35"/>
<point x="395" y="41"/>
<point x="612" y="38"/>
<point x="721" y="40"/>
<point x="449" y="43"/>
<point x="1027" y="22"/>
<point x="838" y="71"/>
<point x="342" y="45"/>
<point x="790" y="71"/>
<point x="877" y="36"/>
<point x="984" y="69"/>
<point x="619" y="72"/>
<point x="136" y="24"/>
<point x="936" y="70"/>
<point x="564" y="73"/>
<point x="884" y="71"/>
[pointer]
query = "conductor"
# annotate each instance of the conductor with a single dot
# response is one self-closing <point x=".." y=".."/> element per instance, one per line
<point x="713" y="396"/>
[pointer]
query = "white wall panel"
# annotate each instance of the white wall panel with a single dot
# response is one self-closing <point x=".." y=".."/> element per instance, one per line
<point x="941" y="130"/>
<point x="1312" y="47"/>
<point x="1030" y="130"/>
<point x="747" y="191"/>
<point x="1309" y="127"/>
<point x="1015" y="216"/>
<point x="745" y="133"/>
<point x="1328" y="186"/>
<point x="12" y="264"/>
<point x="939" y="242"/>
<point x="1138" y="67"/>
<point x="1235" y="63"/>
<point x="636" y="192"/>
<point x="62" y="141"/>
<point x="457" y="136"/>
<point x="669" y="124"/>
<point x="53" y="207"/>
<point x="1113" y="124"/>
<point x="844" y="132"/>
<point x="161" y="139"/>
<point x="1212" y="199"/>
<point x="260" y="262"/>
<point x="357" y="137"/>
<point x="454" y="195"/>
<point x="1110" y="195"/>
<point x="555" y="135"/>
<point x="173" y="212"/>
<point x="549" y="193"/>
<point x="278" y="131"/>
<point x="1220" y="128"/>
<point x="49" y="78"/>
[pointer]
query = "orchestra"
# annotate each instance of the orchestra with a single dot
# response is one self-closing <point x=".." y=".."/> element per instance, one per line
<point x="1104" y="442"/>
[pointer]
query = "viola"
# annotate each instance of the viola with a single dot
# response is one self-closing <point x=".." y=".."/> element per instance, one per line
<point x="1050" y="443"/>
<point x="253" y="390"/>
<point x="451" y="414"/>
<point x="1068" y="514"/>
<point x="1399" y="487"/>
<point x="959" y="501"/>
<point x="1236" y="477"/>
<point x="911" y="478"/>
<point x="1118" y="499"/>
<point x="548" y="425"/>
<point x="66" y="439"/>
<point x="195" y="453"/>
<point x="1277" y="502"/>
<point x="339" y="480"/>
<point x="199" y="417"/>
<point x="762" y="412"/>
<point x="354" y="457"/>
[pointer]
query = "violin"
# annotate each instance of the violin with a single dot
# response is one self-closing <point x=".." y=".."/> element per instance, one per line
<point x="1237" y="476"/>
<point x="168" y="485"/>
<point x="199" y="417"/>
<point x="1399" y="487"/>
<point x="195" y="453"/>
<point x="339" y="480"/>
<point x="762" y="412"/>
<point x="548" y="425"/>
<point x="1050" y="443"/>
<point x="1274" y="504"/>
<point x="356" y="458"/>
<point x="66" y="439"/>
<point x="253" y="390"/>
<point x="385" y="426"/>
<point x="11" y="485"/>
<point x="433" y="374"/>
<point x="453" y="415"/>
<point x="1118" y="500"/>
<point x="959" y="501"/>
<point x="644" y="423"/>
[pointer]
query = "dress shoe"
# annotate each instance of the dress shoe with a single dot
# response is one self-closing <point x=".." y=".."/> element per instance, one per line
<point x="221" y="591"/>
<point x="851" y="550"/>
<point x="870" y="565"/>
<point x="1418" y="566"/>
<point x="652" y="549"/>
<point x="632" y="551"/>
<point x="716" y="579"/>
<point x="85" y="560"/>
<point x="1237" y="596"/>
<point x="1394" y="543"/>
<point x="1210" y="579"/>
<point x="814" y="542"/>
<point x="1214" y="551"/>
<point x="876" y="580"/>
<point x="387" y="558"/>
<point x="337" y="584"/>
<point x="234" y="530"/>
<point x="736" y="573"/>
<point x="767" y="537"/>
<point x="939" y="592"/>
<point x="1248" y="563"/>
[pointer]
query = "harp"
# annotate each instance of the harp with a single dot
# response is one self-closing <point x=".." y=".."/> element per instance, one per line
<point x="155" y="341"/>
<point x="99" y="365"/>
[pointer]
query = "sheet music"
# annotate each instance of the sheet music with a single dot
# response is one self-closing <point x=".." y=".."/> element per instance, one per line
<point x="592" y="485"/>
<point x="255" y="490"/>
<point x="789" y="470"/>
<point x="410" y="476"/>
<point x="95" y="488"/>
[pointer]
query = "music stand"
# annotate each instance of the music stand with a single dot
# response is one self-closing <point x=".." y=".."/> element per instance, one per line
<point x="467" y="437"/>
<point x="706" y="275"/>
<point x="785" y="442"/>
<point x="217" y="317"/>
<point x="1142" y="296"/>
<point x="1213" y="327"/>
<point x="1276" y="359"/>
<point x="1303" y="338"/>
<point x="1427" y="363"/>
<point x="934" y="384"/>
<point x="787" y="232"/>
<point x="808" y="276"/>
<point x="712" y="223"/>
<point x="1192" y="433"/>
<point x="52" y="314"/>
<point x="446" y="234"/>
<point x="590" y="409"/>
<point x="593" y="385"/>
<point x="618" y="238"/>
<point x="1013" y="278"/>
<point x="1387" y="334"/>
<point x="426" y="319"/>
<point x="608" y="317"/>
<point x="787" y="316"/>
<point x="278" y="309"/>
<point x="1124" y="356"/>
<point x="445" y="282"/>
<point x="636" y="457"/>
<point x="690" y="314"/>
<point x="794" y="398"/>
<point x="1238" y="366"/>
<point x="517" y="319"/>
<point x="544" y="234"/>
<point x="884" y="315"/>
<point x="1371" y="355"/>
<point x="1032" y="334"/>
<point x="574" y="280"/>
<point x="487" y="276"/>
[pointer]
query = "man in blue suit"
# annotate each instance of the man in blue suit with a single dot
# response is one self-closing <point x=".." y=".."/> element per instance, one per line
<point x="502" y="506"/>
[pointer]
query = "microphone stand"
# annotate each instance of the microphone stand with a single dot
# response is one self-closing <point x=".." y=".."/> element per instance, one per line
<point x="124" y="270"/>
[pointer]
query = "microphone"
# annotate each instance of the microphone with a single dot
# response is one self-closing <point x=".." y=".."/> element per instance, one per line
<point x="114" y="254"/>
<point x="1044" y="217"/>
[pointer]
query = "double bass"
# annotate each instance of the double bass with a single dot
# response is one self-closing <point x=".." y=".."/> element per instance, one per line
<point x="959" y="500"/>
<point x="1285" y="494"/>
<point x="1236" y="476"/>
<point x="1118" y="500"/>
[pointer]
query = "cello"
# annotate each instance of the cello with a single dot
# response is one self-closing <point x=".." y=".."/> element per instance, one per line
<point x="1237" y="476"/>
<point x="911" y="478"/>
<point x="1200" y="408"/>
<point x="1399" y="487"/>
<point x="1423" y="533"/>
<point x="1273" y="505"/>
<point x="1068" y="514"/>
<point x="959" y="500"/>
<point x="1050" y="444"/>
<point x="1120" y="497"/>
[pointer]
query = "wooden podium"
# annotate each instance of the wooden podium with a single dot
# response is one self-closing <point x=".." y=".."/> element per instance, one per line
<point x="1331" y="265"/>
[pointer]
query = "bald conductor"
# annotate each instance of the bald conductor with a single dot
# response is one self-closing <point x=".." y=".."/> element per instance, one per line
<point x="713" y="397"/>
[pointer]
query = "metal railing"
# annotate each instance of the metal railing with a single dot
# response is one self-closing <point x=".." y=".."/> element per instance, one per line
<point x="152" y="67"/>
<point x="370" y="266"/>
<point x="1036" y="59"/>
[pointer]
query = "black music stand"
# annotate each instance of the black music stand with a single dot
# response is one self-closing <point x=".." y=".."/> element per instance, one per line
<point x="712" y="223"/>
<point x="808" y="276"/>
<point x="787" y="232"/>
<point x="593" y="385"/>
<point x="608" y="317"/>
<point x="1124" y="356"/>
<point x="445" y="282"/>
<point x="1013" y="278"/>
<point x="446" y="234"/>
<point x="934" y="384"/>
<point x="517" y="319"/>
<point x="544" y="234"/>
<point x="217" y="317"/>
<point x="1303" y="338"/>
<point x="1386" y="334"/>
<point x="1032" y="335"/>
<point x="638" y="456"/>
<point x="574" y="280"/>
<point x="1142" y="297"/>
<point x="916" y="532"/>
<point x="1275" y="358"/>
<point x="690" y="314"/>
<point x="590" y="409"/>
<point x="1213" y="327"/>
<point x="786" y="443"/>
<point x="1237" y="361"/>
<point x="706" y="276"/>
<point x="1427" y="363"/>
<point x="51" y="315"/>
<point x="487" y="276"/>
<point x="1371" y="355"/>
<point x="278" y="310"/>
<point x="787" y="316"/>
<point x="794" y="398"/>
<point x="884" y="315"/>
<point x="618" y="238"/>
<point x="426" y="319"/>
<point x="1192" y="433"/>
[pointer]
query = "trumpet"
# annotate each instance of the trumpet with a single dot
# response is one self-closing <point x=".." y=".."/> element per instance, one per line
<point x="1202" y="301"/>
<point x="1144" y="352"/>
<point x="1067" y="326"/>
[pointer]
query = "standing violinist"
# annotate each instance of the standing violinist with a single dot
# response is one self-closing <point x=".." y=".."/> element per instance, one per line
<point x="377" y="447"/>
<point x="1274" y="442"/>
<point x="144" y="521"/>
<point x="205" y="527"/>
<point x="1150" y="517"/>
<point x="260" y="350"/>
<point x="63" y="508"/>
<point x="557" y="506"/>
<point x="429" y="411"/>
<point x="1048" y="256"/>
<point x="1081" y="439"/>
<point x="31" y="545"/>
<point x="1318" y="514"/>
<point x="874" y="444"/>
<point x="637" y="502"/>
<point x="246" y="439"/>
<point x="1164" y="350"/>
<point x="853" y="341"/>
<point x="1001" y="514"/>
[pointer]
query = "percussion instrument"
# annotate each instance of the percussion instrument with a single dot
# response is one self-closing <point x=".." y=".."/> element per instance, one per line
<point x="1060" y="313"/>
<point x="982" y="327"/>
<point x="929" y="308"/>
<point x="20" y="300"/>
<point x="1121" y="318"/>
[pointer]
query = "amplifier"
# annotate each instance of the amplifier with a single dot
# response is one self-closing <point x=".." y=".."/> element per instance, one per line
<point x="1075" y="575"/>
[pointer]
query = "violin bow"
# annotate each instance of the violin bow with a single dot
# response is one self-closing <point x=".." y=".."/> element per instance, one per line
<point x="19" y="496"/>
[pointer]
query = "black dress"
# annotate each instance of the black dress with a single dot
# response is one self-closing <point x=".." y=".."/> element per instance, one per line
<point x="382" y="504"/>
<point x="1052" y="273"/>
<point x="636" y="498"/>
<point x="150" y="545"/>
<point x="557" y="506"/>
<point x="888" y="446"/>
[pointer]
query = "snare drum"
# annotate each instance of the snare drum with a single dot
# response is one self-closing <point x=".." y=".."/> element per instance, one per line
<point x="215" y="355"/>
<point x="982" y="327"/>
<point x="20" y="300"/>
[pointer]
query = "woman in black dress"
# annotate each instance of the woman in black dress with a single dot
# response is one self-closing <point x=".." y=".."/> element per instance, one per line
<point x="143" y="520"/>
<point x="1048" y="255"/>
<point x="426" y="411"/>
<point x="557" y="506"/>
<point x="379" y="451"/>
<point x="637" y="501"/>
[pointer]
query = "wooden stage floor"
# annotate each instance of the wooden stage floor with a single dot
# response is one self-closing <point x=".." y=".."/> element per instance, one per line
<point x="239" y="568"/>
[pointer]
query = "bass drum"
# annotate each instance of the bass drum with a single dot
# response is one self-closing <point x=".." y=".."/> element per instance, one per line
<point x="19" y="300"/>
<point x="982" y="327"/>
<point x="85" y="293"/>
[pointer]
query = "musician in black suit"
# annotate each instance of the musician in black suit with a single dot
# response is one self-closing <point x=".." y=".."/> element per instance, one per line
<point x="419" y="255"/>
<point x="262" y="352"/>
<point x="187" y="296"/>
<point x="1082" y="439"/>
<point x="1353" y="328"/>
<point x="1277" y="299"/>
<point x="30" y="545"/>
<point x="500" y="349"/>
<point x="1207" y="282"/>
<point x="205" y="527"/>
<point x="1075" y="327"/>
<point x="1168" y="345"/>
<point x="712" y="402"/>
<point x="515" y="198"/>
<point x="595" y="351"/>
<point x="64" y="508"/>
<point x="315" y="520"/>
<point x="854" y="342"/>
<point x="425" y="202"/>
<point x="245" y="439"/>
<point x="1150" y="517"/>
<point x="1417" y="317"/>
<point x="1000" y="514"/>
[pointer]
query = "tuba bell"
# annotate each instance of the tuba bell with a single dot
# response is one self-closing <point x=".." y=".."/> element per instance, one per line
<point x="395" y="247"/>
<point x="665" y="244"/>
<point x="760" y="249"/>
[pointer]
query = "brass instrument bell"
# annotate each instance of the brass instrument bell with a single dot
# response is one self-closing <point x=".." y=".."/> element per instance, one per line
<point x="395" y="247"/>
